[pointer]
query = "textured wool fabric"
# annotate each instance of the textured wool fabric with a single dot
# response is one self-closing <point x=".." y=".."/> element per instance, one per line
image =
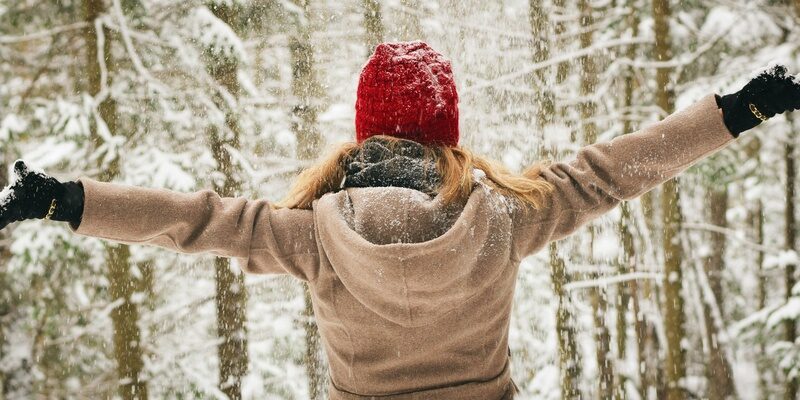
<point x="379" y="164"/>
<point x="407" y="90"/>
<point x="423" y="319"/>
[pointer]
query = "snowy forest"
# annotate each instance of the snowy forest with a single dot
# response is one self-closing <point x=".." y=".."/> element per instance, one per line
<point x="688" y="292"/>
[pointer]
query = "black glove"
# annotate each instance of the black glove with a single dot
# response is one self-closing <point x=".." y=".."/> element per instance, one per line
<point x="31" y="194"/>
<point x="771" y="92"/>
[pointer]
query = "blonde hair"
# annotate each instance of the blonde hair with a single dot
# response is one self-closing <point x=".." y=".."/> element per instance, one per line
<point x="454" y="164"/>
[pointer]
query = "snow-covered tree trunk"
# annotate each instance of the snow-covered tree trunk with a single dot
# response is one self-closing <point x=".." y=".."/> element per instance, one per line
<point x="231" y="293"/>
<point x="306" y="91"/>
<point x="569" y="358"/>
<point x="671" y="217"/>
<point x="718" y="369"/>
<point x="409" y="26"/>
<point x="125" y="316"/>
<point x="755" y="220"/>
<point x="541" y="31"/>
<point x="790" y="242"/>
<point x="797" y="7"/>
<point x="561" y="9"/>
<point x="5" y="286"/>
<point x="305" y="88"/>
<point x="597" y="294"/>
<point x="373" y="24"/>
<point x="627" y="292"/>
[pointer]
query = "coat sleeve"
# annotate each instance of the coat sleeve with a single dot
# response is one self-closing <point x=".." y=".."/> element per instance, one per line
<point x="262" y="239"/>
<point x="604" y="174"/>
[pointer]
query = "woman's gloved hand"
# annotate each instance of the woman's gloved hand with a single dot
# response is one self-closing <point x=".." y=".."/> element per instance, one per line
<point x="771" y="92"/>
<point x="32" y="194"/>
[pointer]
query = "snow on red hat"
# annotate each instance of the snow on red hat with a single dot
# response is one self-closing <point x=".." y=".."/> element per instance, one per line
<point x="406" y="90"/>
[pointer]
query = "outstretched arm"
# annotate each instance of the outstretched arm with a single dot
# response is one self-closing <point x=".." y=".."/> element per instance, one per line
<point x="264" y="240"/>
<point x="604" y="174"/>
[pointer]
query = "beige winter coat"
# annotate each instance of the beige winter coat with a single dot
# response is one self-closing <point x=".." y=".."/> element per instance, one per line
<point x="426" y="319"/>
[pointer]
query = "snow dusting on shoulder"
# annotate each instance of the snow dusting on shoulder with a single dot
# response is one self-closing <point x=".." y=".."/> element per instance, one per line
<point x="499" y="202"/>
<point x="478" y="174"/>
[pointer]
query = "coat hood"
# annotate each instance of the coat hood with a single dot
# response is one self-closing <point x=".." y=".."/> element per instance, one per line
<point x="408" y="257"/>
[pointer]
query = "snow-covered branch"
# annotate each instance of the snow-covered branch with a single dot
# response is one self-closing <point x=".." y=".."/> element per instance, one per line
<point x="471" y="90"/>
<point x="10" y="39"/>
<point x="610" y="280"/>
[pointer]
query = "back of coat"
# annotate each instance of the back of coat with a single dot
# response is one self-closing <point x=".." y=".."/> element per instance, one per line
<point x="414" y="296"/>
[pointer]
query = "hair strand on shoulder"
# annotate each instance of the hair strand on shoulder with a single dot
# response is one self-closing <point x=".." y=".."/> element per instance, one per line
<point x="456" y="166"/>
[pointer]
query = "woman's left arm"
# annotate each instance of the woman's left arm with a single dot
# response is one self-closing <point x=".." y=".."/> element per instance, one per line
<point x="265" y="240"/>
<point x="604" y="174"/>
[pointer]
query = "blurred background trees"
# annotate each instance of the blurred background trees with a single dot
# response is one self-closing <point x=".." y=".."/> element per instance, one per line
<point x="688" y="292"/>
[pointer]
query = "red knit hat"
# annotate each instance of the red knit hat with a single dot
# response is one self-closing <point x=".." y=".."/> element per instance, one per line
<point x="406" y="90"/>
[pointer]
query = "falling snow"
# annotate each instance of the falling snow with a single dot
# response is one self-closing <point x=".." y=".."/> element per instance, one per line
<point x="188" y="89"/>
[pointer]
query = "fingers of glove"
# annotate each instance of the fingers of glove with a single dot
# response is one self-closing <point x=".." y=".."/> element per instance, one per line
<point x="767" y="82"/>
<point x="20" y="168"/>
<point x="778" y="94"/>
<point x="774" y="73"/>
<point x="31" y="192"/>
<point x="37" y="184"/>
<point x="784" y="97"/>
<point x="770" y="106"/>
<point x="781" y="99"/>
<point x="789" y="98"/>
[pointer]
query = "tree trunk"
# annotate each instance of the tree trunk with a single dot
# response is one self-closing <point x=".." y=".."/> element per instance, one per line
<point x="125" y="317"/>
<point x="540" y="51"/>
<point x="6" y="293"/>
<point x="756" y="223"/>
<point x="539" y="21"/>
<point x="306" y="91"/>
<point x="127" y="337"/>
<point x="790" y="325"/>
<point x="569" y="355"/>
<point x="718" y="369"/>
<point x="569" y="358"/>
<point x="625" y="291"/>
<point x="373" y="24"/>
<point x="647" y="200"/>
<point x="409" y="24"/>
<point x="671" y="216"/>
<point x="305" y="88"/>
<point x="627" y="264"/>
<point x="560" y="28"/>
<point x="605" y="388"/>
<point x="231" y="293"/>
<point x="231" y="328"/>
